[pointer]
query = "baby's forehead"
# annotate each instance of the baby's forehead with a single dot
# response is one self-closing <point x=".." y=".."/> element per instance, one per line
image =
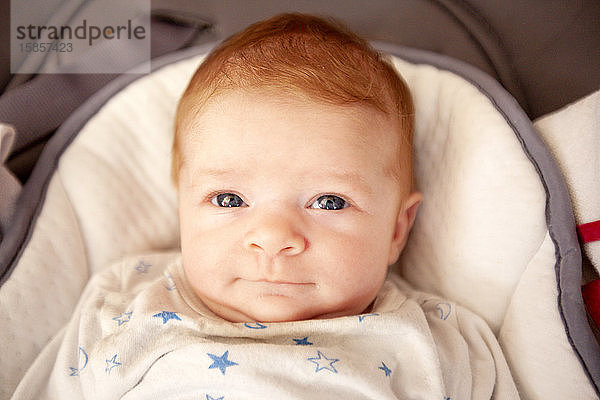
<point x="245" y="100"/>
<point x="358" y="128"/>
<point x="294" y="113"/>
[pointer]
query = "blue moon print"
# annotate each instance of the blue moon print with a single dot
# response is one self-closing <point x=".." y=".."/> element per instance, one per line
<point x="255" y="325"/>
<point x="444" y="310"/>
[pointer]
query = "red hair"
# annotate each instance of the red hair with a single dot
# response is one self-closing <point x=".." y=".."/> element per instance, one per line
<point x="307" y="55"/>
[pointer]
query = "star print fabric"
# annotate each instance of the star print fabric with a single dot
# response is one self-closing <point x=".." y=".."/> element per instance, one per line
<point x="139" y="332"/>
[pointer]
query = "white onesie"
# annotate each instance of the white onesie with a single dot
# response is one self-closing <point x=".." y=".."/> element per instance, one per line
<point x="139" y="332"/>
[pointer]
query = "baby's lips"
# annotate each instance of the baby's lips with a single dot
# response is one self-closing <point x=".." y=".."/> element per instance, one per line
<point x="279" y="281"/>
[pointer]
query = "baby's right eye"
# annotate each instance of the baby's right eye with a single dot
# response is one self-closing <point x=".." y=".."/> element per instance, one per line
<point x="329" y="202"/>
<point x="227" y="200"/>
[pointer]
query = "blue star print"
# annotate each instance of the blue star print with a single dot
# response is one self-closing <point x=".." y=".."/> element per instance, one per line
<point x="221" y="362"/>
<point x="166" y="316"/>
<point x="125" y="317"/>
<point x="302" y="342"/>
<point x="142" y="267"/>
<point x="361" y="318"/>
<point x="208" y="397"/>
<point x="323" y="362"/>
<point x="385" y="369"/>
<point x="110" y="364"/>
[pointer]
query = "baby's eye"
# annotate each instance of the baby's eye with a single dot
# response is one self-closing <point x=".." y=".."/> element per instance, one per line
<point x="329" y="202"/>
<point x="227" y="200"/>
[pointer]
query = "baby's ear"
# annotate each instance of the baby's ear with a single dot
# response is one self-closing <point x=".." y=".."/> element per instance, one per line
<point x="404" y="223"/>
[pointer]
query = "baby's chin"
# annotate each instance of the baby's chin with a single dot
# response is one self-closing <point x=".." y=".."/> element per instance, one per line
<point x="281" y="308"/>
<point x="273" y="313"/>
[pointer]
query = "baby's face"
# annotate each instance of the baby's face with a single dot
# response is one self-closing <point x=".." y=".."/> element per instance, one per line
<point x="287" y="208"/>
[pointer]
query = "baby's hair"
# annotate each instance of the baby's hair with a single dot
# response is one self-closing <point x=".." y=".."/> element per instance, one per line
<point x="306" y="56"/>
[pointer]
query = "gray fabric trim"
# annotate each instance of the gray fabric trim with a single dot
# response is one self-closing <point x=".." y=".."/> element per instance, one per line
<point x="559" y="217"/>
<point x="559" y="214"/>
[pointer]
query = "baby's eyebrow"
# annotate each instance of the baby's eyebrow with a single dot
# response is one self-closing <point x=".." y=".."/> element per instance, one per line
<point x="198" y="174"/>
<point x="217" y="172"/>
<point x="354" y="179"/>
<point x="347" y="178"/>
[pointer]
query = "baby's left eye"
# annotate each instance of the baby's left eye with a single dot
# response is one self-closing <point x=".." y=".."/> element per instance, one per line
<point x="329" y="202"/>
<point x="227" y="200"/>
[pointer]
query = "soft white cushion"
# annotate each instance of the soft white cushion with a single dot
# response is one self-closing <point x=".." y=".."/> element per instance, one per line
<point x="483" y="218"/>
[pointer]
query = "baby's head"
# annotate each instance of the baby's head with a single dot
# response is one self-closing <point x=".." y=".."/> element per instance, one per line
<point x="293" y="162"/>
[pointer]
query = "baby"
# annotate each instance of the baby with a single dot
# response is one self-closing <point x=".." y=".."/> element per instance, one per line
<point x="292" y="157"/>
<point x="293" y="164"/>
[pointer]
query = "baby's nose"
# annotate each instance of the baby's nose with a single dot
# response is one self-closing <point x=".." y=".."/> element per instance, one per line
<point x="275" y="235"/>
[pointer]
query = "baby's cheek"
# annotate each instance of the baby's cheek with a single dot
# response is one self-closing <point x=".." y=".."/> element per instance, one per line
<point x="371" y="258"/>
<point x="358" y="267"/>
<point x="204" y="277"/>
<point x="352" y="293"/>
<point x="359" y="247"/>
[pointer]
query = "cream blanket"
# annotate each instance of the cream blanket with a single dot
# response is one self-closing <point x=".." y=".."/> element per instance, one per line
<point x="139" y="332"/>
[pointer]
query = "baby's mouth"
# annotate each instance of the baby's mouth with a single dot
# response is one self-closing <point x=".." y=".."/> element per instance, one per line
<point x="279" y="286"/>
<point x="279" y="283"/>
